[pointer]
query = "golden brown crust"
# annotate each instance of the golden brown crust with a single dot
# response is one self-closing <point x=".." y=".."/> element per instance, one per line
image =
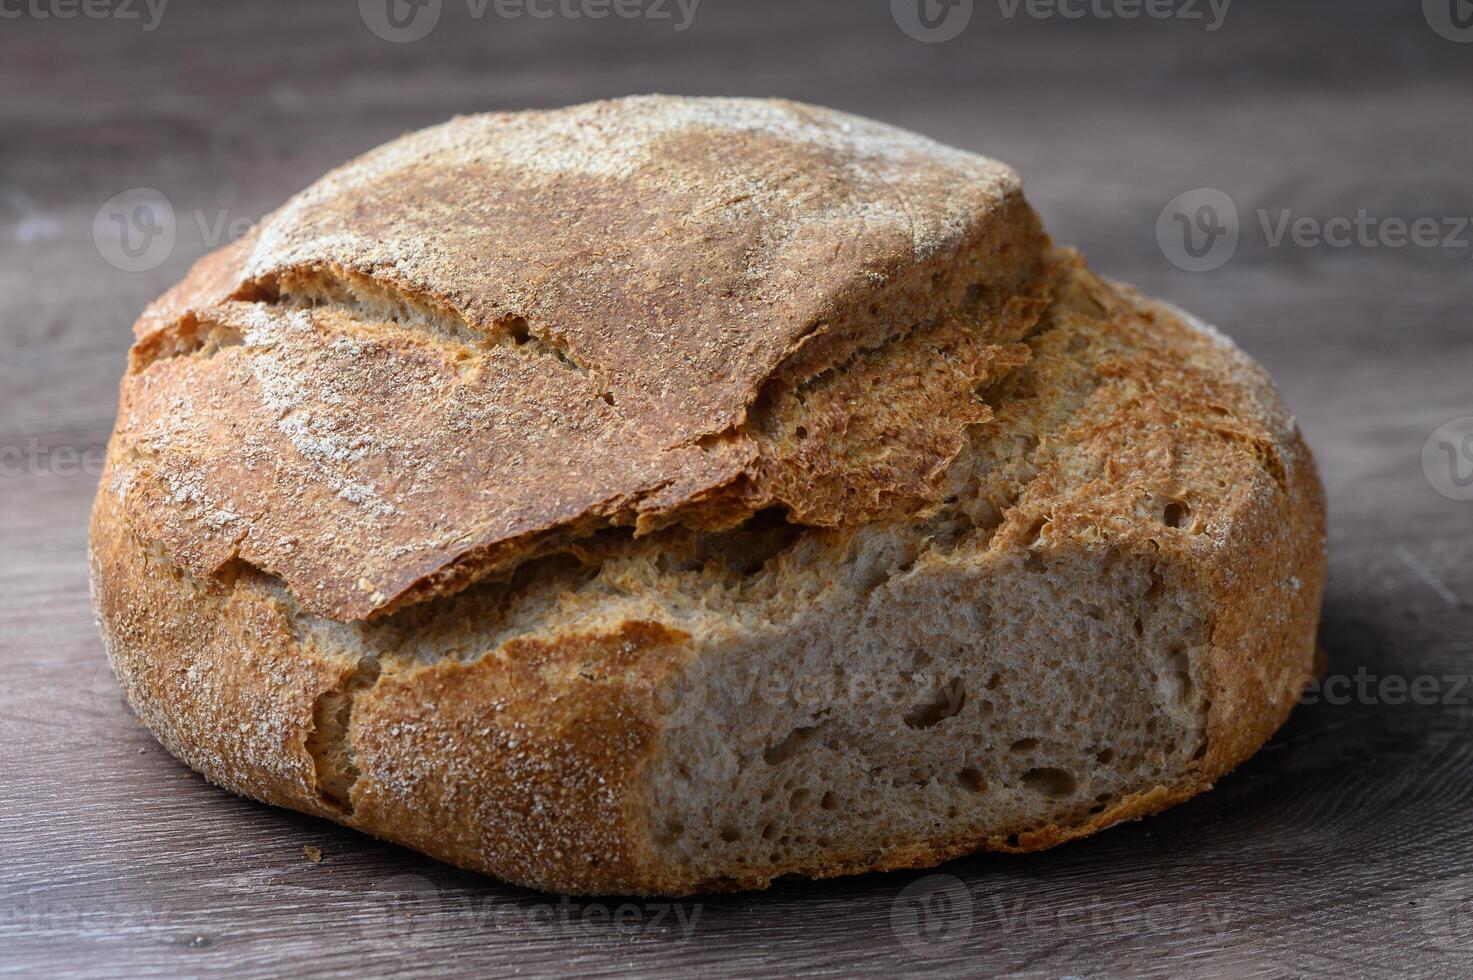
<point x="219" y="674"/>
<point x="540" y="743"/>
<point x="529" y="758"/>
<point x="516" y="764"/>
<point x="600" y="293"/>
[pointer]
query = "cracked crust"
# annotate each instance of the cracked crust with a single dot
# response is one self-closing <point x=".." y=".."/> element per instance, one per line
<point x="425" y="547"/>
<point x="517" y="294"/>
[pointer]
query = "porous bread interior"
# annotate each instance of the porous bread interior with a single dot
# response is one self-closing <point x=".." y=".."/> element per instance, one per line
<point x="957" y="676"/>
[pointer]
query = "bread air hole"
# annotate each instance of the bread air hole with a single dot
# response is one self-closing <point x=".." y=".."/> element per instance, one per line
<point x="788" y="747"/>
<point x="971" y="779"/>
<point x="944" y="704"/>
<point x="1175" y="514"/>
<point x="1158" y="585"/>
<point x="1055" y="783"/>
<point x="518" y="330"/>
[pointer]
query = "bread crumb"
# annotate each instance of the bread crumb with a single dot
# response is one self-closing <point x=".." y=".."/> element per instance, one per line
<point x="314" y="854"/>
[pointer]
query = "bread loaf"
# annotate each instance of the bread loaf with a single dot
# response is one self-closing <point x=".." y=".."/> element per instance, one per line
<point x="666" y="495"/>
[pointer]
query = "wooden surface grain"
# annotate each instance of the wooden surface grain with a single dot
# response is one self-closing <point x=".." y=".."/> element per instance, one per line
<point x="1344" y="848"/>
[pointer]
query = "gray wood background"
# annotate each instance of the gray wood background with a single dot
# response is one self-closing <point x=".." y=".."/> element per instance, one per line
<point x="1344" y="848"/>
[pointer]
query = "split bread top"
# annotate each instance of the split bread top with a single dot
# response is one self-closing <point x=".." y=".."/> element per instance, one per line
<point x="490" y="339"/>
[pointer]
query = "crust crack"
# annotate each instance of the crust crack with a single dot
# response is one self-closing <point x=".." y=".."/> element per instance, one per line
<point x="330" y="742"/>
<point x="367" y="299"/>
<point x="189" y="336"/>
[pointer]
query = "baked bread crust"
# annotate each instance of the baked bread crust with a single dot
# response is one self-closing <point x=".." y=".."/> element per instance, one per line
<point x="512" y="680"/>
<point x="620" y="281"/>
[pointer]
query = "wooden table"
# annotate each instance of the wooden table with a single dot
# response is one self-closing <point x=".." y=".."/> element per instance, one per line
<point x="1344" y="847"/>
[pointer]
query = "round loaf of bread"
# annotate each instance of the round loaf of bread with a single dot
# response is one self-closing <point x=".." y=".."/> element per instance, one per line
<point x="666" y="495"/>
